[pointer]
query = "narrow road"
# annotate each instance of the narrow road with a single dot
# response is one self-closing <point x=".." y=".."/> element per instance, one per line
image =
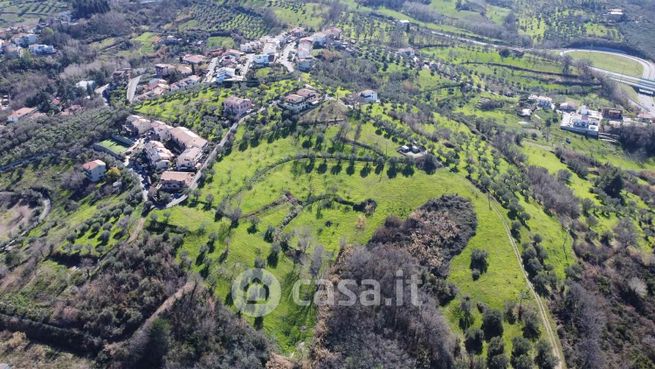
<point x="138" y="337"/>
<point x="46" y="204"/>
<point x="543" y="310"/>
<point x="209" y="159"/>
<point x="284" y="58"/>
<point x="131" y="88"/>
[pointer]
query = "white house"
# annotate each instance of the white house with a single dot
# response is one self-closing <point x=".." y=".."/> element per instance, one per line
<point x="158" y="155"/>
<point x="95" y="170"/>
<point x="369" y="96"/>
<point x="189" y="159"/>
<point x="40" y="49"/>
<point x="262" y="59"/>
<point x="224" y="74"/>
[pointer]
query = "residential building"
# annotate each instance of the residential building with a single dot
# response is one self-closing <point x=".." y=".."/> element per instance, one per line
<point x="302" y="99"/>
<point x="319" y="39"/>
<point x="161" y="131"/>
<point x="24" y="39"/>
<point x="158" y="155"/>
<point x="524" y="113"/>
<point x="567" y="107"/>
<point x="263" y="60"/>
<point x="615" y="15"/>
<point x="121" y="75"/>
<point x="612" y="114"/>
<point x="163" y="70"/>
<point x="189" y="159"/>
<point x="40" y="49"/>
<point x="185" y="138"/>
<point x="186" y="83"/>
<point x="369" y="96"/>
<point x="297" y="32"/>
<point x="250" y="47"/>
<point x="137" y="125"/>
<point x="20" y="114"/>
<point x="13" y="51"/>
<point x="172" y="181"/>
<point x="236" y="107"/>
<point x="95" y="170"/>
<point x="543" y="102"/>
<point x="193" y="59"/>
<point x="306" y="64"/>
<point x="86" y="85"/>
<point x="224" y="74"/>
<point x="407" y="52"/>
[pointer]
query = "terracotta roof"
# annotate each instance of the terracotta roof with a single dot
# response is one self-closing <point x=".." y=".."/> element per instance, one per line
<point x="169" y="175"/>
<point x="93" y="164"/>
<point x="23" y="112"/>
<point x="187" y="137"/>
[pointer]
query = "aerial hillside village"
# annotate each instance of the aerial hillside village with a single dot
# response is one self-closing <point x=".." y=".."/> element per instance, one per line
<point x="156" y="154"/>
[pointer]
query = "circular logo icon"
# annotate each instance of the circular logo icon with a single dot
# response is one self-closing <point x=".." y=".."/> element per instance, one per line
<point x="256" y="292"/>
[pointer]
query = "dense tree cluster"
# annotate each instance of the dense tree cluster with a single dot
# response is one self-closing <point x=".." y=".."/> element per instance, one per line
<point x="434" y="233"/>
<point x="392" y="336"/>
<point x="57" y="137"/>
<point x="399" y="335"/>
<point x="196" y="332"/>
<point x="552" y="193"/>
<point x="129" y="286"/>
<point x="86" y="8"/>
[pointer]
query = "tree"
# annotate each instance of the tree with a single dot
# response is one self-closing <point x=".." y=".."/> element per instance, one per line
<point x="498" y="362"/>
<point x="610" y="181"/>
<point x="466" y="319"/>
<point x="473" y="340"/>
<point x="157" y="346"/>
<point x="479" y="260"/>
<point x="545" y="359"/>
<point x="492" y="323"/>
<point x="520" y="352"/>
<point x="625" y="233"/>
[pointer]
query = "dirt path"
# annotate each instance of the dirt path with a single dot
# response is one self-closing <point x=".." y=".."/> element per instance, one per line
<point x="138" y="337"/>
<point x="543" y="310"/>
<point x="137" y="230"/>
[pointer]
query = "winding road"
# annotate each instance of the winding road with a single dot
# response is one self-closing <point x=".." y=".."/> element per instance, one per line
<point x="645" y="102"/>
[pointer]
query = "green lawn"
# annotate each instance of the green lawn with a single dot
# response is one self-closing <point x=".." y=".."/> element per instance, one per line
<point x="113" y="146"/>
<point x="611" y="62"/>
<point x="331" y="224"/>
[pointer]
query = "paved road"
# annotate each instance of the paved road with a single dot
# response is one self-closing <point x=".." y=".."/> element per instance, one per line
<point x="644" y="101"/>
<point x="131" y="88"/>
<point x="209" y="159"/>
<point x="284" y="59"/>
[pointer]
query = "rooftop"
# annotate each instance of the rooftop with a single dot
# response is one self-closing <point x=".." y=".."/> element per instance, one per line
<point x="187" y="137"/>
<point x="173" y="176"/>
<point x="94" y="164"/>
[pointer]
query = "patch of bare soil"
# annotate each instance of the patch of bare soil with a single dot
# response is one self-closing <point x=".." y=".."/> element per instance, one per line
<point x="15" y="215"/>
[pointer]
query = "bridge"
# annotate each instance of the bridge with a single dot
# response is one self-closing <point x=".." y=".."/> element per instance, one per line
<point x="643" y="85"/>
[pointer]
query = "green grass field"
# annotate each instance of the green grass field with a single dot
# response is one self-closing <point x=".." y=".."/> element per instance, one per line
<point x="253" y="180"/>
<point x="611" y="62"/>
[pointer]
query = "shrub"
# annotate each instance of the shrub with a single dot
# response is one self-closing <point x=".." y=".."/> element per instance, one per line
<point x="492" y="323"/>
